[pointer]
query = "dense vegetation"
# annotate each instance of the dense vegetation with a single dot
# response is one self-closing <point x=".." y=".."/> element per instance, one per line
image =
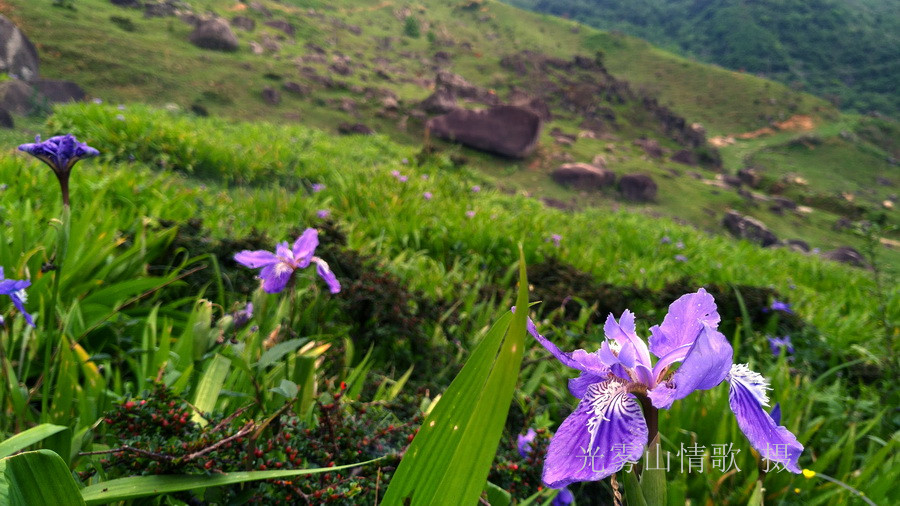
<point x="844" y="50"/>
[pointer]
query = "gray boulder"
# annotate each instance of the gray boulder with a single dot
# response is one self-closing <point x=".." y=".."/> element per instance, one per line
<point x="638" y="187"/>
<point x="440" y="102"/>
<point x="244" y="23"/>
<point x="847" y="255"/>
<point x="18" y="56"/>
<point x="214" y="34"/>
<point x="58" y="91"/>
<point x="18" y="97"/>
<point x="6" y="119"/>
<point x="583" y="176"/>
<point x="271" y="96"/>
<point x="650" y="146"/>
<point x="504" y="129"/>
<point x="749" y="228"/>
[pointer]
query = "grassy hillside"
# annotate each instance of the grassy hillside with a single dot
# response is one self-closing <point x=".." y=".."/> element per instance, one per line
<point x="841" y="49"/>
<point x="154" y="63"/>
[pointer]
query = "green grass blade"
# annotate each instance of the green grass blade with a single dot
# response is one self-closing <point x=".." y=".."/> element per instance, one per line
<point x="29" y="437"/>
<point x="123" y="489"/>
<point x="209" y="387"/>
<point x="449" y="460"/>
<point x="36" y="478"/>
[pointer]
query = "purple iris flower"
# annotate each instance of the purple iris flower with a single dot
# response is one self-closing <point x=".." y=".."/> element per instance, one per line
<point x="778" y="305"/>
<point x="278" y="267"/>
<point x="16" y="291"/>
<point x="681" y="258"/>
<point x="621" y="389"/>
<point x="555" y="238"/>
<point x="61" y="153"/>
<point x="563" y="498"/>
<point x="524" y="442"/>
<point x="317" y="187"/>
<point x="427" y="196"/>
<point x="323" y="213"/>
<point x="777" y="343"/>
<point x="242" y="316"/>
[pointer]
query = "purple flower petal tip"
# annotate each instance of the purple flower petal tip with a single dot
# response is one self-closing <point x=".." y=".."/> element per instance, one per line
<point x="60" y="152"/>
<point x="523" y="442"/>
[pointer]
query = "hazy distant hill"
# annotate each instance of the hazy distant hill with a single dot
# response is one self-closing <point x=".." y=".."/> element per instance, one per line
<point x="845" y="50"/>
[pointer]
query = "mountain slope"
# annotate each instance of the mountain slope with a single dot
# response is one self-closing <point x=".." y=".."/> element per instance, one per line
<point x="845" y="50"/>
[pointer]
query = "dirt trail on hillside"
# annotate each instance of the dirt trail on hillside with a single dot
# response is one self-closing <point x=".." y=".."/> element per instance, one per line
<point x="796" y="123"/>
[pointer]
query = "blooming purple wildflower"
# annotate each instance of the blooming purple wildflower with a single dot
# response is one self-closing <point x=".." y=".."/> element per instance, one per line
<point x="399" y="177"/>
<point x="665" y="240"/>
<point x="121" y="107"/>
<point x="317" y="187"/>
<point x="120" y="117"/>
<point x="778" y="305"/>
<point x="619" y="379"/>
<point x="425" y="177"/>
<point x="323" y="213"/>
<point x="16" y="291"/>
<point x="476" y="189"/>
<point x="278" y="267"/>
<point x="403" y="179"/>
<point x="427" y="196"/>
<point x="61" y="153"/>
<point x="470" y="214"/>
<point x="242" y="316"/>
<point x="679" y="244"/>
<point x="97" y="101"/>
<point x="555" y="238"/>
<point x="681" y="258"/>
<point x="563" y="498"/>
<point x="524" y="442"/>
<point x="776" y="344"/>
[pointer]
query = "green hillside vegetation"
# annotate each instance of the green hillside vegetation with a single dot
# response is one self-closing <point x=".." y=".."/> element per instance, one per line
<point x="157" y="358"/>
<point x="841" y="49"/>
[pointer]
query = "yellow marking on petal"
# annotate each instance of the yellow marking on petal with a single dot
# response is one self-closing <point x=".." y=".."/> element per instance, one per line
<point x="808" y="474"/>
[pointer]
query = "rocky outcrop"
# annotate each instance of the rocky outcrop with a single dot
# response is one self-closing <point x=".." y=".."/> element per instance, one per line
<point x="281" y="25"/>
<point x="58" y="91"/>
<point x="504" y="130"/>
<point x="440" y="102"/>
<point x="18" y="97"/>
<point x="638" y="187"/>
<point x="215" y="34"/>
<point x="685" y="157"/>
<point x="583" y="176"/>
<point x="749" y="228"/>
<point x="650" y="146"/>
<point x="18" y="56"/>
<point x="847" y="255"/>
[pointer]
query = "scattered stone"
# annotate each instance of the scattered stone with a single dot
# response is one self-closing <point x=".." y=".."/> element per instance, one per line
<point x="884" y="181"/>
<point x="271" y="96"/>
<point x="638" y="187"/>
<point x="341" y="68"/>
<point x="282" y="25"/>
<point x="842" y="223"/>
<point x="215" y="34"/>
<point x="295" y="88"/>
<point x="354" y="129"/>
<point x="749" y="177"/>
<point x="133" y="4"/>
<point x="244" y="23"/>
<point x="784" y="203"/>
<point x="18" y="97"/>
<point x="58" y="91"/>
<point x="685" y="157"/>
<point x="651" y="147"/>
<point x="260" y="8"/>
<point x="256" y="48"/>
<point x="732" y="181"/>
<point x="505" y="129"/>
<point x="583" y="176"/>
<point x="440" y="102"/>
<point x="18" y="56"/>
<point x="847" y="255"/>
<point x="599" y="161"/>
<point x="390" y="103"/>
<point x="6" y="119"/>
<point x="161" y="9"/>
<point x="797" y="245"/>
<point x="749" y="228"/>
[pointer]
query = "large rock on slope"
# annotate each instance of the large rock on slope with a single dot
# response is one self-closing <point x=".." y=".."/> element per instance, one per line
<point x="749" y="228"/>
<point x="583" y="176"/>
<point x="18" y="97"/>
<point x="504" y="129"/>
<point x="214" y="34"/>
<point x="58" y="91"/>
<point x="18" y="56"/>
<point x="847" y="255"/>
<point x="638" y="187"/>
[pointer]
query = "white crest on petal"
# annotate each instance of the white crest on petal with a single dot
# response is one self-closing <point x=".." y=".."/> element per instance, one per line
<point x="614" y="345"/>
<point x="283" y="268"/>
<point x="21" y="295"/>
<point x="607" y="397"/>
<point x="754" y="382"/>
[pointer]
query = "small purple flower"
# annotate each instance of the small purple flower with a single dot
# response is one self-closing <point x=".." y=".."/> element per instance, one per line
<point x="427" y="196"/>
<point x="679" y="245"/>
<point x="395" y="173"/>
<point x="620" y="377"/>
<point x="524" y="442"/>
<point x="317" y="187"/>
<point x="121" y="107"/>
<point x="399" y="177"/>
<point x="476" y="189"/>
<point x="97" y="101"/>
<point x="323" y="213"/>
<point x="403" y="179"/>
<point x="404" y="161"/>
<point x="16" y="291"/>
<point x="665" y="240"/>
<point x="776" y="344"/>
<point x="681" y="258"/>
<point x="563" y="498"/>
<point x="470" y="214"/>
<point x="242" y="316"/>
<point x="425" y="177"/>
<point x="278" y="267"/>
<point x="120" y="117"/>
<point x="555" y="238"/>
<point x="778" y="305"/>
<point x="61" y="153"/>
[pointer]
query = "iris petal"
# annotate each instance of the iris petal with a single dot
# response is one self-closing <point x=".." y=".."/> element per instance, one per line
<point x="578" y="359"/>
<point x="256" y="259"/>
<point x="605" y="431"/>
<point x="706" y="365"/>
<point x="305" y="247"/>
<point x="275" y="277"/>
<point x="682" y="323"/>
<point x="325" y="272"/>
<point x="747" y="397"/>
<point x="623" y="333"/>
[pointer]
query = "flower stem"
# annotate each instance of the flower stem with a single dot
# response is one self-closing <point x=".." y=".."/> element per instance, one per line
<point x="651" y="416"/>
<point x="64" y="188"/>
